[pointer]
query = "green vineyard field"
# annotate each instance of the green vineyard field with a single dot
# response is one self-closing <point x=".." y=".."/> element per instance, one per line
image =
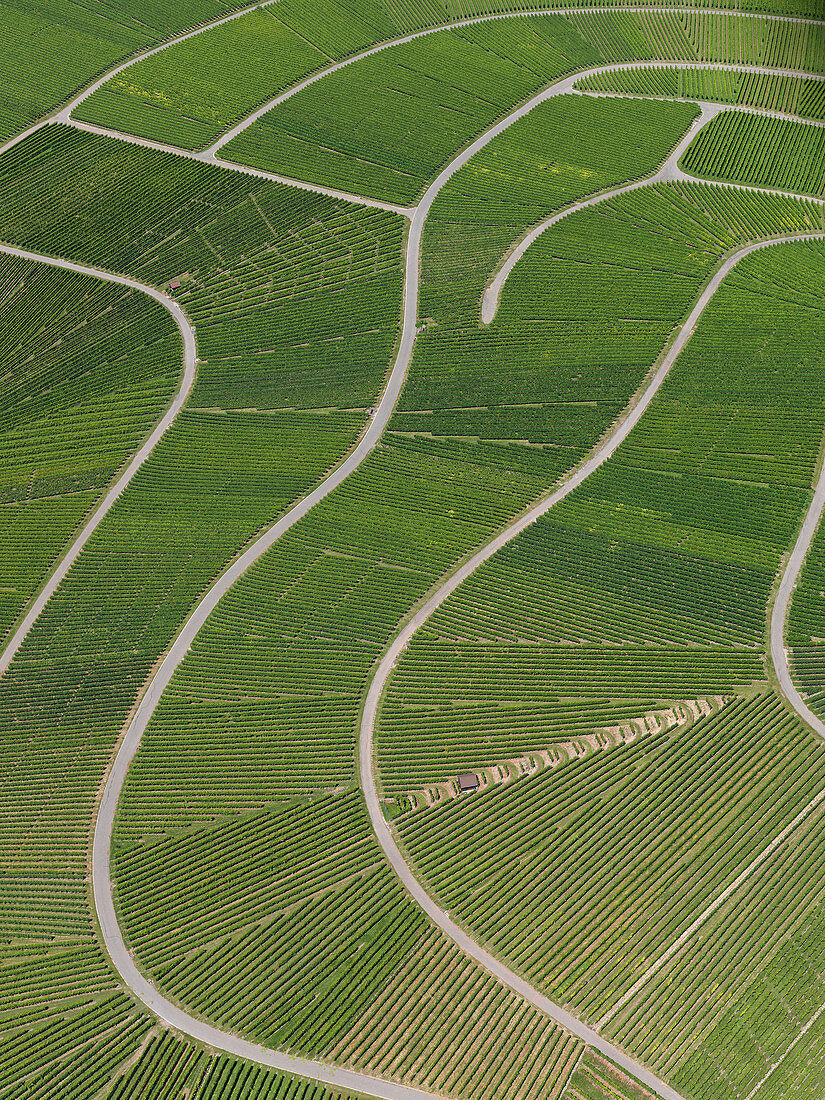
<point x="627" y="903"/>
<point x="802" y="96"/>
<point x="188" y="97"/>
<point x="88" y="368"/>
<point x="762" y="152"/>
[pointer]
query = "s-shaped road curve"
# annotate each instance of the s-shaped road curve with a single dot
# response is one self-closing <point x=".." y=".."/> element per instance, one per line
<point x="102" y="885"/>
<point x="386" y="837"/>
<point x="140" y="456"/>
<point x="104" y="825"/>
<point x="101" y="880"/>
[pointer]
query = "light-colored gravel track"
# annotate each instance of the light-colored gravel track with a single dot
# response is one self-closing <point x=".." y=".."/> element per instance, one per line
<point x="384" y="832"/>
<point x="102" y="886"/>
<point x="208" y="158"/>
<point x="140" y="456"/>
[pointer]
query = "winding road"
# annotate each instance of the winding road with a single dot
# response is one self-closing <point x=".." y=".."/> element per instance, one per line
<point x="385" y="834"/>
<point x="140" y="456"/>
<point x="101" y="878"/>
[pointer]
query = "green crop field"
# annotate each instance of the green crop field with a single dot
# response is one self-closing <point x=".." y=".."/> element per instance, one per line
<point x="793" y="95"/>
<point x="88" y="368"/>
<point x="386" y="126"/>
<point x="222" y="772"/>
<point x="762" y="152"/>
<point x="473" y="692"/>
<point x="280" y="669"/>
<point x="187" y="96"/>
<point x="51" y="48"/>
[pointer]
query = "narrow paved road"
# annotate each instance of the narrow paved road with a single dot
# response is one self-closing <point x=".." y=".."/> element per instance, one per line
<point x="140" y="456"/>
<point x="103" y="828"/>
<point x="385" y="834"/>
<point x="668" y="171"/>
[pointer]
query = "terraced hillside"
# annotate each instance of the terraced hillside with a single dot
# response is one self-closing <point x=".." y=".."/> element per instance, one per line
<point x="393" y="393"/>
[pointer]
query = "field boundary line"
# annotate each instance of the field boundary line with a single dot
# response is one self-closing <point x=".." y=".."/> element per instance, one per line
<point x="786" y="1052"/>
<point x="392" y="654"/>
<point x="184" y="388"/>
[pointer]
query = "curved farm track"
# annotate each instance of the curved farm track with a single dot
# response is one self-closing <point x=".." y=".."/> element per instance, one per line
<point x="187" y="381"/>
<point x="102" y="886"/>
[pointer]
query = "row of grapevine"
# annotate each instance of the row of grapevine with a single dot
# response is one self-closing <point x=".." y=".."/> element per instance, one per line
<point x="761" y="151"/>
<point x="88" y="368"/>
<point x="802" y="96"/>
